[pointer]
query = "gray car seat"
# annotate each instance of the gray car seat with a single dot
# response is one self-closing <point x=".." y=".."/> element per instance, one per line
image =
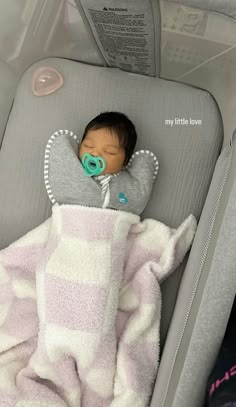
<point x="195" y="176"/>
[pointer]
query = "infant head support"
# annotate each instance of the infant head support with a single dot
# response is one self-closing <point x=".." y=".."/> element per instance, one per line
<point x="70" y="181"/>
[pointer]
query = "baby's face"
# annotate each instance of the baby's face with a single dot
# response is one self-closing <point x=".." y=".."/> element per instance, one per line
<point x="104" y="143"/>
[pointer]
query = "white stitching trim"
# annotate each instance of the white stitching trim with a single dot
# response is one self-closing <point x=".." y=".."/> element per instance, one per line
<point x="74" y="136"/>
<point x="156" y="162"/>
<point x="47" y="157"/>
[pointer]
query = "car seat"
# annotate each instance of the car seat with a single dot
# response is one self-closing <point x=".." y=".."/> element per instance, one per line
<point x="196" y="176"/>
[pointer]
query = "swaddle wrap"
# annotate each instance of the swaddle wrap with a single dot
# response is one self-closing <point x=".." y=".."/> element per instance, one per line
<point x="66" y="183"/>
<point x="81" y="304"/>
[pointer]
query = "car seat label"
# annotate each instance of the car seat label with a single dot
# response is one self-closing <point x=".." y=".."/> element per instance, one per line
<point x="124" y="32"/>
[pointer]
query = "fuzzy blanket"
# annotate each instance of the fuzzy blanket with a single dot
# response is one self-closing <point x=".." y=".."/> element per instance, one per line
<point x="80" y="306"/>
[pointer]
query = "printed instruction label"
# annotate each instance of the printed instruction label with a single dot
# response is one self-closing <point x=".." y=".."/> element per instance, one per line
<point x="124" y="32"/>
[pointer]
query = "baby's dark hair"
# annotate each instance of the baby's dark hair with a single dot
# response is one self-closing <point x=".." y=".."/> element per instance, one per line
<point x="122" y="127"/>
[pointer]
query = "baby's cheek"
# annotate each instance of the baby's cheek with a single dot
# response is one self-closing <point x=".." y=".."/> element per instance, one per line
<point x="81" y="152"/>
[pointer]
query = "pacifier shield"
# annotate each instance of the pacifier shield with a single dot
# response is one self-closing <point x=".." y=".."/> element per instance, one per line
<point x="93" y="165"/>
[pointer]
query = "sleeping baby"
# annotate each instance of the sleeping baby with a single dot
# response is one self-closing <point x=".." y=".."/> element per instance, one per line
<point x="112" y="136"/>
<point x="87" y="281"/>
<point x="106" y="148"/>
<point x="107" y="174"/>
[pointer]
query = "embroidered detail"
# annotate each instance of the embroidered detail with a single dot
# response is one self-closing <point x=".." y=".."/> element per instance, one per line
<point x="227" y="376"/>
<point x="122" y="198"/>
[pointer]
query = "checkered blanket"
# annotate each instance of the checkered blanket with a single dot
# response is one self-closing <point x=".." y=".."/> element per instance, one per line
<point x="80" y="307"/>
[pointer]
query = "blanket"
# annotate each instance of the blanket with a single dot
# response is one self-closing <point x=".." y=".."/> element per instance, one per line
<point x="80" y="307"/>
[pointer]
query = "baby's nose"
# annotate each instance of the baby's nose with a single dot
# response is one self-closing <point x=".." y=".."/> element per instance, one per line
<point x="95" y="153"/>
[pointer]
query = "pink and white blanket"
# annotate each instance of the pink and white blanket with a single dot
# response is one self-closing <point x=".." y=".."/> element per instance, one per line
<point x="80" y="307"/>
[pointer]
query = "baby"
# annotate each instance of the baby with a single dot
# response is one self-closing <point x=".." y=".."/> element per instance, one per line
<point x="104" y="172"/>
<point x="111" y="136"/>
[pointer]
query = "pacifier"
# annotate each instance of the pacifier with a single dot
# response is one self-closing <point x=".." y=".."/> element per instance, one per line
<point x="93" y="165"/>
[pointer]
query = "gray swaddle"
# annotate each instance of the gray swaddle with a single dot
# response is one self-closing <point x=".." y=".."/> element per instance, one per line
<point x="66" y="182"/>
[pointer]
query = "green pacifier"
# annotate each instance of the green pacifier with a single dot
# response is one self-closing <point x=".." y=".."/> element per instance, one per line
<point x="93" y="165"/>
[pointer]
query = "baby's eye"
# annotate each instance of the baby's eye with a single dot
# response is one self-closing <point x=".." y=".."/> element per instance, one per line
<point x="88" y="146"/>
<point x="110" y="153"/>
